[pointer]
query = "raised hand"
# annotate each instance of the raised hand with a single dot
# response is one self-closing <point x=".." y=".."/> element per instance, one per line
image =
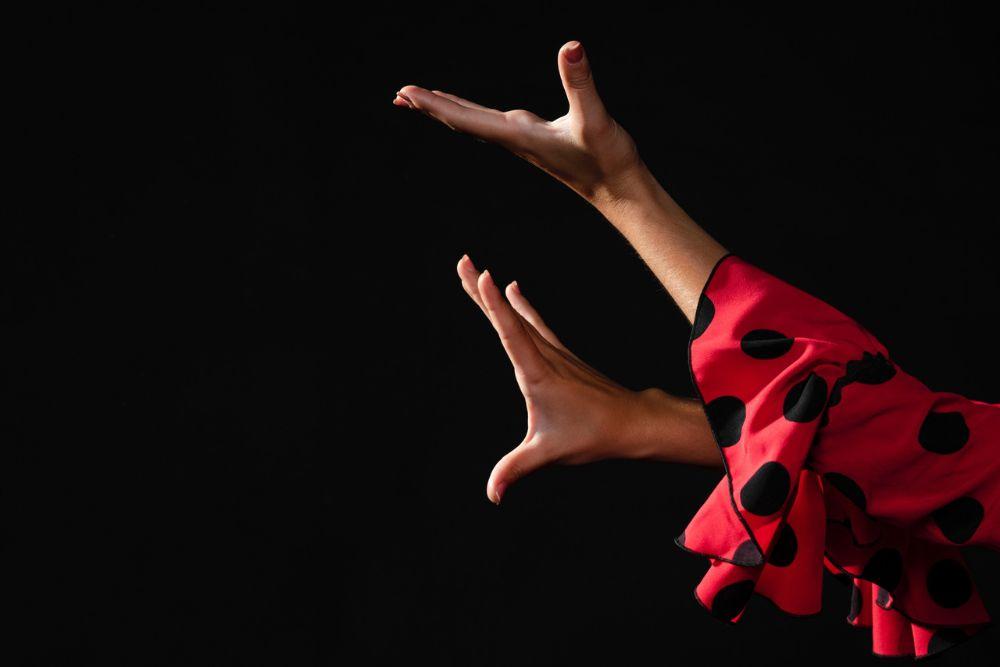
<point x="585" y="149"/>
<point x="576" y="414"/>
<point x="592" y="154"/>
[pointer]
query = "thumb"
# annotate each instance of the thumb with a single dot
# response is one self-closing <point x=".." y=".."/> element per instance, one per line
<point x="517" y="463"/>
<point x="578" y="81"/>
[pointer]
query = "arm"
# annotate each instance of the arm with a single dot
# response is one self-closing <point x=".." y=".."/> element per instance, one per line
<point x="675" y="248"/>
<point x="594" y="156"/>
<point x="672" y="429"/>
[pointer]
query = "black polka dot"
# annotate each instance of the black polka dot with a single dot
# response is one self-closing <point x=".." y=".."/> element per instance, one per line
<point x="959" y="519"/>
<point x="948" y="583"/>
<point x="856" y="600"/>
<point x="703" y="315"/>
<point x="765" y="492"/>
<point x="837" y="392"/>
<point x="731" y="600"/>
<point x="945" y="638"/>
<point x="765" y="344"/>
<point x="804" y="402"/>
<point x="943" y="432"/>
<point x="747" y="554"/>
<point x="871" y="369"/>
<point x="882" y="597"/>
<point x="726" y="415"/>
<point x="848" y="487"/>
<point x="785" y="547"/>
<point x="885" y="569"/>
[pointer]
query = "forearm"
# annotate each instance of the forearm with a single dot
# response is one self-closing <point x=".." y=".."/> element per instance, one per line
<point x="677" y="250"/>
<point x="663" y="427"/>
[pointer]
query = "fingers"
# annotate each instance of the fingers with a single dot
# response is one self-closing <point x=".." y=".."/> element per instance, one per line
<point x="521" y="349"/>
<point x="536" y="326"/>
<point x="578" y="82"/>
<point x="469" y="275"/>
<point x="464" y="102"/>
<point x="476" y="120"/>
<point x="528" y="312"/>
<point x="517" y="463"/>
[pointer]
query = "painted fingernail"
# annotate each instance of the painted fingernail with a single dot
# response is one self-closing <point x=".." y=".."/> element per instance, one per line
<point x="574" y="52"/>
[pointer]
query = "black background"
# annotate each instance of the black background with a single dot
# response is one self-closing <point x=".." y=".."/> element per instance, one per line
<point x="251" y="413"/>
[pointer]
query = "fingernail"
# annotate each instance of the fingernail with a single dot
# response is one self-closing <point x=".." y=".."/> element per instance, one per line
<point x="406" y="99"/>
<point x="499" y="491"/>
<point x="517" y="288"/>
<point x="574" y="52"/>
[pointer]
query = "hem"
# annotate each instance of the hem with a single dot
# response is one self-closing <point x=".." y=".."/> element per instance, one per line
<point x="893" y="607"/>
<point x="678" y="541"/>
<point x="701" y="400"/>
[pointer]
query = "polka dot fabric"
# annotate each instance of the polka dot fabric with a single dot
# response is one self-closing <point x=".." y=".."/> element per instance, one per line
<point x="835" y="458"/>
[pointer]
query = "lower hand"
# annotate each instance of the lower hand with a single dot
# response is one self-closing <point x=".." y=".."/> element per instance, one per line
<point x="575" y="414"/>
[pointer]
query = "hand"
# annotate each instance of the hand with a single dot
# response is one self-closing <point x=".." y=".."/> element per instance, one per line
<point x="575" y="414"/>
<point x="585" y="149"/>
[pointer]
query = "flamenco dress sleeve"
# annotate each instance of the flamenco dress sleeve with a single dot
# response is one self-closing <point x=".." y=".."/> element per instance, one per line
<point x="836" y="458"/>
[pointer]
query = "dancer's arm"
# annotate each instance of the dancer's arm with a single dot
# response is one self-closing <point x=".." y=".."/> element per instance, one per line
<point x="678" y="251"/>
<point x="589" y="152"/>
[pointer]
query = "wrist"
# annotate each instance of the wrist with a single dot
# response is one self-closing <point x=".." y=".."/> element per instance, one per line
<point x="632" y="184"/>
<point x="663" y="427"/>
<point x="644" y="427"/>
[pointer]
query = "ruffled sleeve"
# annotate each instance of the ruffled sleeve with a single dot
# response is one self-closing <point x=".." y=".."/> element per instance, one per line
<point x="837" y="459"/>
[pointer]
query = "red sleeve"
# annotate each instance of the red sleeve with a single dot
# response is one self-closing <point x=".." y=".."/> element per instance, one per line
<point x="835" y="458"/>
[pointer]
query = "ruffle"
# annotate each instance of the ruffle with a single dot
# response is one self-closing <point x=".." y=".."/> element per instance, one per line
<point x="783" y="378"/>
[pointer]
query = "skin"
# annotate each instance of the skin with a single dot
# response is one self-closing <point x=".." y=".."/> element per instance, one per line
<point x="576" y="414"/>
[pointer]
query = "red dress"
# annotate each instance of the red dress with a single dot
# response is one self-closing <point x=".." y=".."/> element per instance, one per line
<point x="835" y="457"/>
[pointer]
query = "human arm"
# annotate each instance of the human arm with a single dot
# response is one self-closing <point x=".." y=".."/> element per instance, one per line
<point x="588" y="151"/>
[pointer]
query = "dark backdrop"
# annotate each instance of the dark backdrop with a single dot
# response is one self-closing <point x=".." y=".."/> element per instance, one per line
<point x="252" y="413"/>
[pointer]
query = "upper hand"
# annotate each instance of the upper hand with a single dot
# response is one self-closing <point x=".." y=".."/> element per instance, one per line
<point x="585" y="149"/>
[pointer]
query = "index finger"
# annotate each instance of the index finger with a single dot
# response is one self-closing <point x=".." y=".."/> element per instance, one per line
<point x="514" y="336"/>
<point x="488" y="124"/>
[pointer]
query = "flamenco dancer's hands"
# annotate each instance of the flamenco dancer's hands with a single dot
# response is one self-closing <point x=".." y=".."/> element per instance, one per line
<point x="585" y="149"/>
<point x="576" y="414"/>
